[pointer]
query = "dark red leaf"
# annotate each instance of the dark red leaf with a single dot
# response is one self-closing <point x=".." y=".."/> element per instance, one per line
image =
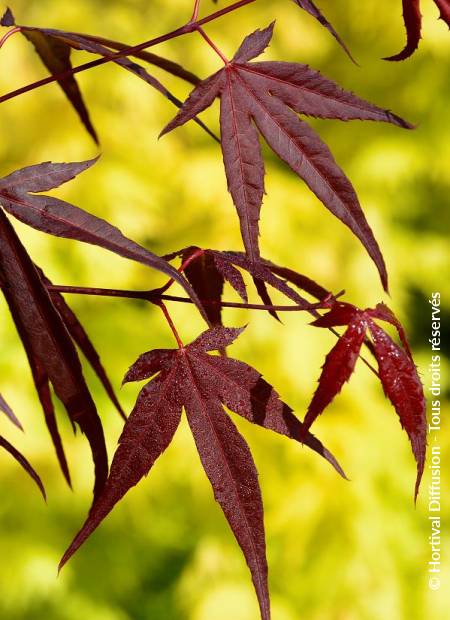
<point x="262" y="94"/>
<point x="62" y="219"/>
<point x="311" y="8"/>
<point x="404" y="389"/>
<point x="147" y="433"/>
<point x="302" y="282"/>
<point x="54" y="48"/>
<point x="228" y="463"/>
<point x="297" y="144"/>
<point x="92" y="45"/>
<point x="444" y="10"/>
<point x="43" y="177"/>
<point x="207" y="281"/>
<point x="338" y="368"/>
<point x="259" y="271"/>
<point x="340" y="314"/>
<point x="243" y="390"/>
<point x="6" y="409"/>
<point x="262" y="291"/>
<point x="413" y="25"/>
<point x="243" y="161"/>
<point x="23" y="462"/>
<point x="32" y="309"/>
<point x="148" y="364"/>
<point x="82" y="340"/>
<point x="202" y="383"/>
<point x="216" y="338"/>
<point x="41" y="383"/>
<point x="56" y="57"/>
<point x="308" y="92"/>
<point x="232" y="275"/>
<point x="200" y="98"/>
<point x="254" y="44"/>
<point x="383" y="313"/>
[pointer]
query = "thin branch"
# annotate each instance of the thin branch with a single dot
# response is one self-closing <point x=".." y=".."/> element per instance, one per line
<point x="186" y="29"/>
<point x="155" y="296"/>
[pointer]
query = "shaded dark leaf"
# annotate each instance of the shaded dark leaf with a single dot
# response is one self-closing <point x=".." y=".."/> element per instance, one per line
<point x="158" y="61"/>
<point x="49" y="341"/>
<point x="56" y="57"/>
<point x="207" y="281"/>
<point x="413" y="24"/>
<point x="91" y="45"/>
<point x="42" y="385"/>
<point x="82" y="340"/>
<point x="23" y="462"/>
<point x="412" y="19"/>
<point x="313" y="10"/>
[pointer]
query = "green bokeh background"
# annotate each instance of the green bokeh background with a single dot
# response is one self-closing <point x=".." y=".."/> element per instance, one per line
<point x="337" y="550"/>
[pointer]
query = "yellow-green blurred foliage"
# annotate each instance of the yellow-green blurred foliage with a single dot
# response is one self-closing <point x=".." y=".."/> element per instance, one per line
<point x="337" y="550"/>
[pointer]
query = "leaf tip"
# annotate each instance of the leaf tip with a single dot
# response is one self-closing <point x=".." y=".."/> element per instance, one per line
<point x="8" y="18"/>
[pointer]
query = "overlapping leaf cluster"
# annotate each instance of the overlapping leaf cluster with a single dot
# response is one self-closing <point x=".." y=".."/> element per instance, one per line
<point x="257" y="99"/>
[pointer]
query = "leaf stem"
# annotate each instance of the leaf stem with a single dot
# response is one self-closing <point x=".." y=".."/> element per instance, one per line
<point x="199" y="252"/>
<point x="171" y="324"/>
<point x="8" y="34"/>
<point x="186" y="29"/>
<point x="195" y="11"/>
<point x="212" y="45"/>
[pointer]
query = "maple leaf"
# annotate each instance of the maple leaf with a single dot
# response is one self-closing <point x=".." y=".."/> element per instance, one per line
<point x="413" y="23"/>
<point x="9" y="413"/>
<point x="56" y="57"/>
<point x="263" y="96"/>
<point x="54" y="48"/>
<point x="61" y="219"/>
<point x="267" y="272"/>
<point x="82" y="340"/>
<point x="207" y="272"/>
<point x="42" y="384"/>
<point x="23" y="462"/>
<point x="397" y="372"/>
<point x="49" y="348"/>
<point x="201" y="383"/>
